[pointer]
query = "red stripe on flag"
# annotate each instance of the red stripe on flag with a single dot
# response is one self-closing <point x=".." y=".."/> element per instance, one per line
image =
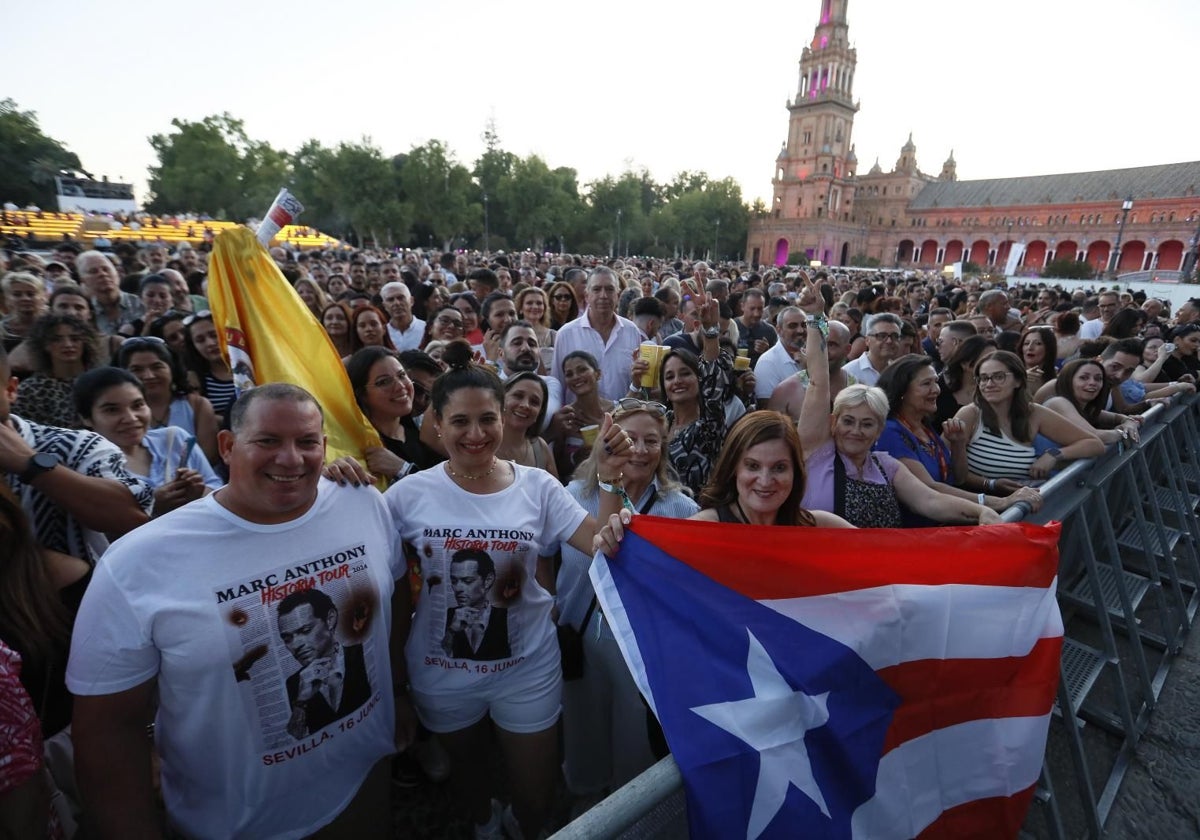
<point x="746" y="558"/>
<point x="937" y="693"/>
<point x="998" y="816"/>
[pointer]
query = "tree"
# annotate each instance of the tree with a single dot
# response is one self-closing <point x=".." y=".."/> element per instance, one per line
<point x="212" y="167"/>
<point x="541" y="201"/>
<point x="443" y="199"/>
<point x="353" y="187"/>
<point x="1068" y="270"/>
<point x="493" y="173"/>
<point x="29" y="159"/>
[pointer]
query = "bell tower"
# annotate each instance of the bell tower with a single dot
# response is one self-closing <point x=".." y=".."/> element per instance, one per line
<point x="813" y="169"/>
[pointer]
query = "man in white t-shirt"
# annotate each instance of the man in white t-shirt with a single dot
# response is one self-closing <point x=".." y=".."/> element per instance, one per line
<point x="1108" y="303"/>
<point x="405" y="329"/>
<point x="274" y="717"/>
<point x="883" y="345"/>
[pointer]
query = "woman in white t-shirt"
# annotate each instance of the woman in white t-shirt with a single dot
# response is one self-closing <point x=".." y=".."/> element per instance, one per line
<point x="482" y="642"/>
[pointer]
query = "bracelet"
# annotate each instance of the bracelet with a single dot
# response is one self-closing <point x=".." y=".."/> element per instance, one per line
<point x="403" y="471"/>
<point x="613" y="486"/>
<point x="983" y="499"/>
<point x="990" y="484"/>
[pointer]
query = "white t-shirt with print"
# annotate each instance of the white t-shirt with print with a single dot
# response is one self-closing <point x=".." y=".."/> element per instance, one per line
<point x="482" y="615"/>
<point x="193" y="599"/>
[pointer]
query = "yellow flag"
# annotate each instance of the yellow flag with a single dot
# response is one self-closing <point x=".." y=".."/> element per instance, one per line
<point x="269" y="335"/>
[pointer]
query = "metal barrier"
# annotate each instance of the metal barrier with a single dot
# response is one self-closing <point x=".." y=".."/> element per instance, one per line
<point x="1127" y="600"/>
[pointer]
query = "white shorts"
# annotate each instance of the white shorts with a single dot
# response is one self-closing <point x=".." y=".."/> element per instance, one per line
<point x="525" y="699"/>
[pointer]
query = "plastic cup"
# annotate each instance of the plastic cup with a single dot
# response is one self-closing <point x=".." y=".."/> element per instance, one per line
<point x="547" y="356"/>
<point x="589" y="434"/>
<point x="743" y="353"/>
<point x="653" y="354"/>
<point x="741" y="363"/>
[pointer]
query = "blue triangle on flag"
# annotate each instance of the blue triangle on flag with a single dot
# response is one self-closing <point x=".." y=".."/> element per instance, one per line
<point x="693" y="636"/>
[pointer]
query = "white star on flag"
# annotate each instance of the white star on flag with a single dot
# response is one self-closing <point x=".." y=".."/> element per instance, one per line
<point x="774" y="722"/>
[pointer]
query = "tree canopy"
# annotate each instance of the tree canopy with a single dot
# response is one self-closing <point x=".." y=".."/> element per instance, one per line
<point x="29" y="159"/>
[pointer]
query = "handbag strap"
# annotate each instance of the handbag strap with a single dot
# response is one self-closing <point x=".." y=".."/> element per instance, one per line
<point x="595" y="600"/>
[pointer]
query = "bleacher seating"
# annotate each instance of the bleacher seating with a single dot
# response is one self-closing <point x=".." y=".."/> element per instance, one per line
<point x="50" y="227"/>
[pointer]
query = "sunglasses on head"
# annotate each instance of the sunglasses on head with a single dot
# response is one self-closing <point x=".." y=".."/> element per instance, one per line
<point x="202" y="315"/>
<point x="631" y="404"/>
<point x="143" y="341"/>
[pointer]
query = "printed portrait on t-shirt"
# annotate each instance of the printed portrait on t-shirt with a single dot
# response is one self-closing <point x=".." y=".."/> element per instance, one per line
<point x="476" y="628"/>
<point x="303" y="639"/>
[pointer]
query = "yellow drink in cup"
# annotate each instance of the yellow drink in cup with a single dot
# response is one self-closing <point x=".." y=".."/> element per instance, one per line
<point x="589" y="434"/>
<point x="652" y="353"/>
<point x="741" y="362"/>
<point x="744" y="353"/>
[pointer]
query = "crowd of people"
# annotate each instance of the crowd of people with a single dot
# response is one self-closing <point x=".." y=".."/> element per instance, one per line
<point x="263" y="605"/>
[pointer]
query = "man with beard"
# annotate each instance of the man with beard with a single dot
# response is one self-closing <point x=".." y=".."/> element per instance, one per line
<point x="883" y="345"/>
<point x="788" y="396"/>
<point x="519" y="349"/>
<point x="784" y="357"/>
<point x="114" y="308"/>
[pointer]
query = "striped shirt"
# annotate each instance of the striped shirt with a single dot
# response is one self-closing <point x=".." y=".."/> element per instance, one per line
<point x="999" y="456"/>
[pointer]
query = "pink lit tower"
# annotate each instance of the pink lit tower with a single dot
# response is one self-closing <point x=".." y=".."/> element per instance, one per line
<point x="814" y="172"/>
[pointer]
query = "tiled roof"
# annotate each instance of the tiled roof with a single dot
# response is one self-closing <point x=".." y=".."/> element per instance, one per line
<point x="1169" y="180"/>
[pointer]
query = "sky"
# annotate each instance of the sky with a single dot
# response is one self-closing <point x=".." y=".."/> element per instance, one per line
<point x="1024" y="87"/>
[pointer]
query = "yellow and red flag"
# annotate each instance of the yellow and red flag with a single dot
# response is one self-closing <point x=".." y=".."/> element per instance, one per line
<point x="269" y="335"/>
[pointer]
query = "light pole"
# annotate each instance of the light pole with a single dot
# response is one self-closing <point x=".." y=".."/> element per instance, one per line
<point x="1126" y="206"/>
<point x="716" y="241"/>
<point x="618" y="248"/>
<point x="487" y="230"/>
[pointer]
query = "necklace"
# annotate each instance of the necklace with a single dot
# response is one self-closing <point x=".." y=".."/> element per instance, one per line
<point x="470" y="477"/>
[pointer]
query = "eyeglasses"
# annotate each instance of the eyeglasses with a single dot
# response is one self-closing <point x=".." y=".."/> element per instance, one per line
<point x="999" y="378"/>
<point x="447" y="321"/>
<point x="884" y="336"/>
<point x="203" y="314"/>
<point x="628" y="404"/>
<point x="385" y="382"/>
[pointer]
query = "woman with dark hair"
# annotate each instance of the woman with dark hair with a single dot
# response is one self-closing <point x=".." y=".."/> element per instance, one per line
<point x="445" y="325"/>
<point x="957" y="380"/>
<point x="1039" y="351"/>
<point x="482" y="649"/>
<point x="993" y="438"/>
<point x="468" y="306"/>
<point x="911" y="386"/>
<point x="1066" y="334"/>
<point x="1125" y="323"/>
<point x="169" y="327"/>
<point x="112" y="403"/>
<point x="335" y="318"/>
<point x="154" y="290"/>
<point x="171" y="399"/>
<point x="208" y="370"/>
<point x="1184" y="359"/>
<point x="62" y="347"/>
<point x="695" y="391"/>
<point x="1081" y="393"/>
<point x="525" y="398"/>
<point x="384" y="391"/>
<point x="581" y="373"/>
<point x="368" y="328"/>
<point x="564" y="306"/>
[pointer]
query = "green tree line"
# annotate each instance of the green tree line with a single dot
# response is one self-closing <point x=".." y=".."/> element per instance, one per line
<point x="427" y="197"/>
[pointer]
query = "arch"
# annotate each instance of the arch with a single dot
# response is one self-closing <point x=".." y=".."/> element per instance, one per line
<point x="1170" y="255"/>
<point x="1133" y="254"/>
<point x="929" y="251"/>
<point x="845" y="254"/>
<point x="1097" y="255"/>
<point x="781" y="251"/>
<point x="1035" y="254"/>
<point x="979" y="251"/>
<point x="904" y="251"/>
<point x="954" y="251"/>
<point x="1068" y="249"/>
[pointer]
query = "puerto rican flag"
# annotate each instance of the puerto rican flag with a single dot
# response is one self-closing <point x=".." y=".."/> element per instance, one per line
<point x="843" y="683"/>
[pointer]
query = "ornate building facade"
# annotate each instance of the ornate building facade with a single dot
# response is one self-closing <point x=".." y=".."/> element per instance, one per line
<point x="822" y="209"/>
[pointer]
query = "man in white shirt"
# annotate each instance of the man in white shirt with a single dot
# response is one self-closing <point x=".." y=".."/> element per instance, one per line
<point x="600" y="331"/>
<point x="1109" y="303"/>
<point x="784" y="357"/>
<point x="405" y="329"/>
<point x="883" y="345"/>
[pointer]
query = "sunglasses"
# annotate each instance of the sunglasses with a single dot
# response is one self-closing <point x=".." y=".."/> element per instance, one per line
<point x="137" y="342"/>
<point x="202" y="315"/>
<point x="629" y="404"/>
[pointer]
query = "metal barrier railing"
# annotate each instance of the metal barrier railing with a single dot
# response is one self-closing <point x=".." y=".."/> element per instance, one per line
<point x="1107" y="569"/>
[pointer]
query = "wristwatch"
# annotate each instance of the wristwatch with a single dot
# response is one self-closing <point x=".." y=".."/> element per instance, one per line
<point x="711" y="332"/>
<point x="41" y="462"/>
<point x="1054" y="453"/>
